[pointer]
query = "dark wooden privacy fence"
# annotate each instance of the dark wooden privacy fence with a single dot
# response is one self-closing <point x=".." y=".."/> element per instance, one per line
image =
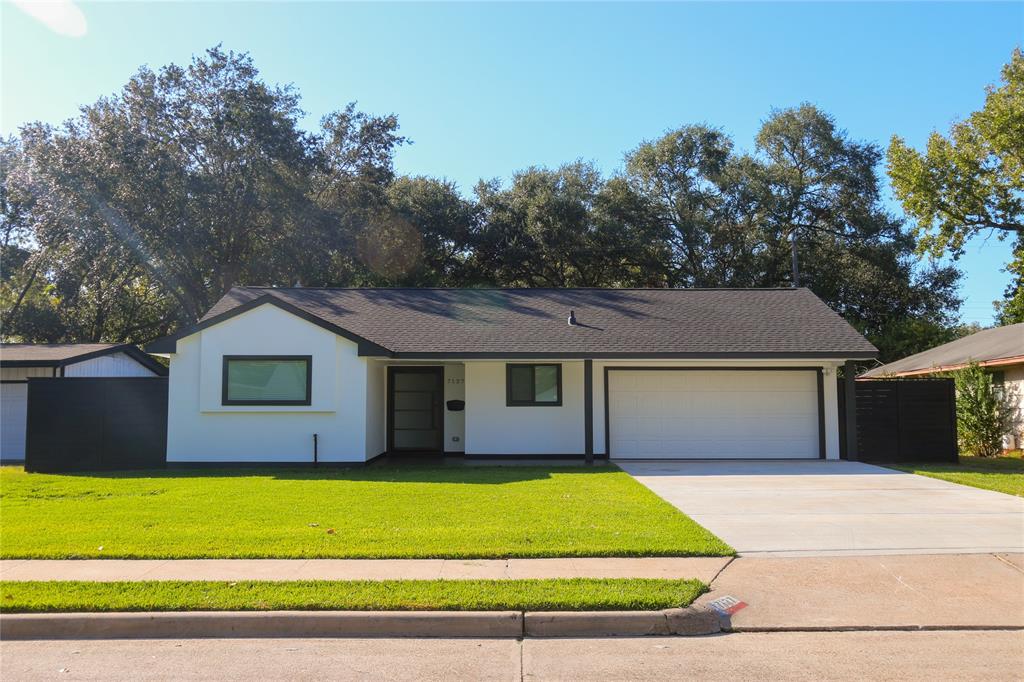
<point x="85" y="424"/>
<point x="903" y="420"/>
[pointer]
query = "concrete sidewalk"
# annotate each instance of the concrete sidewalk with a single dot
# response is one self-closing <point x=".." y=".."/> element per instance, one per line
<point x="868" y="592"/>
<point x="109" y="570"/>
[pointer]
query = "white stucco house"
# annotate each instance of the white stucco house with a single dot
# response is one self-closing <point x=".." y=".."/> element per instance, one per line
<point x="20" y="362"/>
<point x="269" y="374"/>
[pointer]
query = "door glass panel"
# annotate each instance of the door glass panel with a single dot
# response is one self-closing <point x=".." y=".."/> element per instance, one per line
<point x="413" y="401"/>
<point x="417" y="381"/>
<point x="521" y="383"/>
<point x="416" y="440"/>
<point x="546" y="382"/>
<point x="418" y="419"/>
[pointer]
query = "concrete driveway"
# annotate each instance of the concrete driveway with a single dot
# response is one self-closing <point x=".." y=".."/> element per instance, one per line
<point x="822" y="508"/>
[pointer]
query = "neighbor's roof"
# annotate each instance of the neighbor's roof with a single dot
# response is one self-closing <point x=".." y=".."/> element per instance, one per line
<point x="60" y="354"/>
<point x="532" y="322"/>
<point x="996" y="346"/>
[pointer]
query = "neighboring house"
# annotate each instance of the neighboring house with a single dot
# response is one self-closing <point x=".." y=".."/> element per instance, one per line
<point x="634" y="373"/>
<point x="1000" y="350"/>
<point x="21" y="361"/>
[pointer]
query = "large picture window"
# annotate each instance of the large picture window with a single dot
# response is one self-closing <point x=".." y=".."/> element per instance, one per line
<point x="267" y="380"/>
<point x="533" y="385"/>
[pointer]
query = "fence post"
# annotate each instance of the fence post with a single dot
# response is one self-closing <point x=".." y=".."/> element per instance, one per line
<point x="899" y="421"/>
<point x="952" y="420"/>
<point x="850" y="394"/>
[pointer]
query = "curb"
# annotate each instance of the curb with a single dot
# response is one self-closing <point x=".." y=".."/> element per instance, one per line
<point x="229" y="624"/>
<point x="436" y="624"/>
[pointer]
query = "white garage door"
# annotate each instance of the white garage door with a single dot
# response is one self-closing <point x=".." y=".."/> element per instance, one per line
<point x="13" y="412"/>
<point x="700" y="414"/>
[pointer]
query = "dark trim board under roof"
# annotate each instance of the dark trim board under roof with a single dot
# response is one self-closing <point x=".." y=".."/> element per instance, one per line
<point x="532" y="323"/>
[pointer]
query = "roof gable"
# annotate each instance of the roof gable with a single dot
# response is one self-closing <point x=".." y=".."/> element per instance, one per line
<point x="168" y="344"/>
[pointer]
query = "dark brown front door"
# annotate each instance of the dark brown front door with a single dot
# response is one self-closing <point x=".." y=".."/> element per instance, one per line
<point x="415" y="409"/>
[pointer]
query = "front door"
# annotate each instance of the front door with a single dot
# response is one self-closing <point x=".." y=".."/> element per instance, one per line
<point x="415" y="409"/>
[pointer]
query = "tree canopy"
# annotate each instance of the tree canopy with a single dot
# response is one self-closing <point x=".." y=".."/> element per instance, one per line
<point x="971" y="181"/>
<point x="133" y="218"/>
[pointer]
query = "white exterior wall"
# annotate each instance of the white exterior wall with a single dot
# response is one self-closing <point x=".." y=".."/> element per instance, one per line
<point x="113" y="365"/>
<point x="831" y="404"/>
<point x="454" y="422"/>
<point x="832" y="445"/>
<point x="1013" y="385"/>
<point x="13" y="416"/>
<point x="376" y="409"/>
<point x="492" y="428"/>
<point x="201" y="429"/>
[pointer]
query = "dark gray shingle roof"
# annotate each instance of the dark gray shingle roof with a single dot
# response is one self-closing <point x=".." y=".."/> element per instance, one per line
<point x="988" y="345"/>
<point x="722" y="322"/>
<point x="50" y="352"/>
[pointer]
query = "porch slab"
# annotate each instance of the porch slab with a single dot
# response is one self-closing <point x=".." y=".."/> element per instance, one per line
<point x="112" y="570"/>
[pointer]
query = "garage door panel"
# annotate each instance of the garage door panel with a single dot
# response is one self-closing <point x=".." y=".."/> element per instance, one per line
<point x="623" y="402"/>
<point x="701" y="414"/>
<point x="624" y="427"/>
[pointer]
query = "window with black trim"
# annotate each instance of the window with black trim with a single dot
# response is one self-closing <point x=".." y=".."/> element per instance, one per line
<point x="533" y="385"/>
<point x="999" y="383"/>
<point x="267" y="380"/>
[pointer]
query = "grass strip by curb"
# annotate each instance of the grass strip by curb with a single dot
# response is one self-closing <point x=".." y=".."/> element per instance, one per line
<point x="563" y="594"/>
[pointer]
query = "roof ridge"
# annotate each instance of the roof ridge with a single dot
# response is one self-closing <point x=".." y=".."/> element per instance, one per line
<point x="273" y="288"/>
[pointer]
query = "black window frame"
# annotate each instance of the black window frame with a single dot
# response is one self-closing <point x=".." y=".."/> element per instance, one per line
<point x="509" y="402"/>
<point x="998" y="382"/>
<point x="308" y="400"/>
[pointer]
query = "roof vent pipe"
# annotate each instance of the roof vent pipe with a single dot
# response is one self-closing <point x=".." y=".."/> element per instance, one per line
<point x="572" y="318"/>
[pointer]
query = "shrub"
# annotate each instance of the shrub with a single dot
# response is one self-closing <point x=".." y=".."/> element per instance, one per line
<point x="983" y="412"/>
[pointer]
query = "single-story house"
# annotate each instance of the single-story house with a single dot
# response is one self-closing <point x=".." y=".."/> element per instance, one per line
<point x="1000" y="350"/>
<point x="278" y="374"/>
<point x="21" y="361"/>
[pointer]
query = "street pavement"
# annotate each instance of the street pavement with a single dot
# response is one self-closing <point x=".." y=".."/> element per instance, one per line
<point x="961" y="655"/>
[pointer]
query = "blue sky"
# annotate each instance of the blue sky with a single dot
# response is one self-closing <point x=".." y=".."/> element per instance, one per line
<point x="485" y="89"/>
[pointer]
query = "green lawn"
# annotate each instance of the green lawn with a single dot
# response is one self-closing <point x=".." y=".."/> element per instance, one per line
<point x="374" y="512"/>
<point x="573" y="594"/>
<point x="1002" y="474"/>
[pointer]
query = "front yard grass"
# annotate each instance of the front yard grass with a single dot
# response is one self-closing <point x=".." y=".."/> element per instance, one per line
<point x="571" y="594"/>
<point x="1002" y="474"/>
<point x="374" y="512"/>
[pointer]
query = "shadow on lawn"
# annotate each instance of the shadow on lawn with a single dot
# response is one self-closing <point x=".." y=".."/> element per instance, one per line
<point x="470" y="474"/>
